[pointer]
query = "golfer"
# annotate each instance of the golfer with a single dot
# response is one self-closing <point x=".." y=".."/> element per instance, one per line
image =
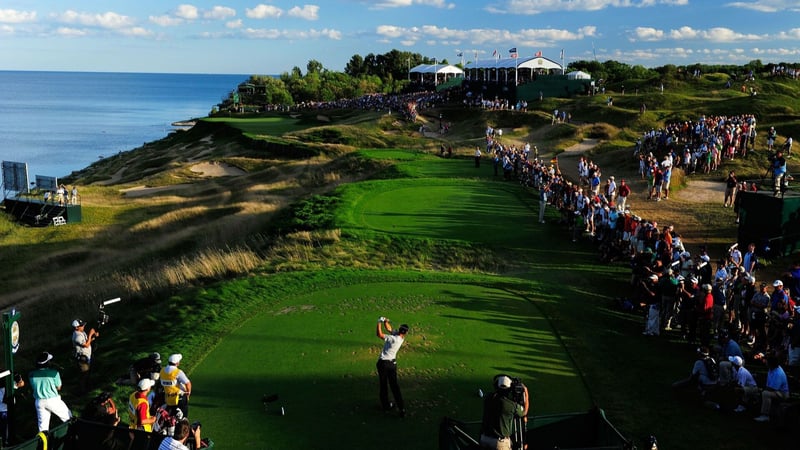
<point x="387" y="364"/>
<point x="46" y="384"/>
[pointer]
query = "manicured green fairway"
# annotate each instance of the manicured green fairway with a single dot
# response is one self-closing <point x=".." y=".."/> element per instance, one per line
<point x="316" y="348"/>
<point x="318" y="352"/>
<point x="469" y="210"/>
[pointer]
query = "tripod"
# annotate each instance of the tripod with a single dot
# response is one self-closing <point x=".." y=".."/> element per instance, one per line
<point x="519" y="428"/>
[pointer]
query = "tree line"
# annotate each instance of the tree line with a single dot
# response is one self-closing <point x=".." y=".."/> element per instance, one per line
<point x="388" y="73"/>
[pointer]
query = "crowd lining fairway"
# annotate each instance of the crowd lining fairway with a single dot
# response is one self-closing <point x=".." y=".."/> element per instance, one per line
<point x="317" y="351"/>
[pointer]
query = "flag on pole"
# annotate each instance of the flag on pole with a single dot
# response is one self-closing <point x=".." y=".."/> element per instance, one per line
<point x="538" y="54"/>
<point x="494" y="53"/>
<point x="513" y="52"/>
<point x="562" y="53"/>
<point x="460" y="54"/>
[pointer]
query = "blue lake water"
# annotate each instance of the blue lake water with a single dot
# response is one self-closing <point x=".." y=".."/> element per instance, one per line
<point x="58" y="122"/>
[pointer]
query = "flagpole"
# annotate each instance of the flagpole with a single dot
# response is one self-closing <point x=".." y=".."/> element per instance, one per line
<point x="562" y="62"/>
<point x="496" y="72"/>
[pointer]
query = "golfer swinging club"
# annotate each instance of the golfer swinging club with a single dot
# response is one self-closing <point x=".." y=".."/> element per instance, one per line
<point x="387" y="364"/>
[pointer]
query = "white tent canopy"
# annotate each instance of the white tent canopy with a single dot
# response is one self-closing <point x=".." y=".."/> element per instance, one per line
<point x="524" y="67"/>
<point x="578" y="75"/>
<point x="441" y="69"/>
<point x="534" y="62"/>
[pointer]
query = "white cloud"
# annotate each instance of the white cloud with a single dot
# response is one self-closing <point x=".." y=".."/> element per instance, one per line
<point x="70" y="32"/>
<point x="685" y="33"/>
<point x="166" y="21"/>
<point x="219" y="13"/>
<point x="272" y="33"/>
<point x="392" y="31"/>
<point x="234" y="24"/>
<point x="767" y="6"/>
<point x="543" y="37"/>
<point x="777" y="52"/>
<point x="136" y="32"/>
<point x="647" y="34"/>
<point x="188" y="12"/>
<point x="384" y="4"/>
<point x="14" y="16"/>
<point x="263" y="11"/>
<point x="716" y="34"/>
<point x="110" y="20"/>
<point x="794" y="33"/>
<point x="531" y="7"/>
<point x="6" y="30"/>
<point x="307" y="12"/>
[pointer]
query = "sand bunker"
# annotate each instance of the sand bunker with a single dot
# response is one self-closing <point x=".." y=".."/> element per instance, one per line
<point x="215" y="169"/>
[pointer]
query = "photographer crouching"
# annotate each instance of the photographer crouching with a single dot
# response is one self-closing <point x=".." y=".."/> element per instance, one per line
<point x="504" y="411"/>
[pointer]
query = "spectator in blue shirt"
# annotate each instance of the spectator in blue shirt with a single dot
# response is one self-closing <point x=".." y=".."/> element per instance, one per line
<point x="777" y="387"/>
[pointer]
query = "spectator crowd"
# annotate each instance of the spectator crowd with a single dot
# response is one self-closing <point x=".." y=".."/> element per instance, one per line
<point x="714" y="303"/>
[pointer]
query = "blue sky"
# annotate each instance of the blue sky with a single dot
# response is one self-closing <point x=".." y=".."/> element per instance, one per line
<point x="272" y="36"/>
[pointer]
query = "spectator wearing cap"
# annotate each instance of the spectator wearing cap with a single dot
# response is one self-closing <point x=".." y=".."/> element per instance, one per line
<point x="82" y="342"/>
<point x="650" y="297"/>
<point x="687" y="265"/>
<point x="666" y="168"/>
<point x="702" y="375"/>
<point x="668" y="285"/>
<point x="177" y="386"/>
<point x="499" y="412"/>
<point x="139" y="406"/>
<point x="746" y="384"/>
<point x="611" y="190"/>
<point x="622" y="195"/>
<point x="742" y="299"/>
<point x="147" y="367"/>
<point x="689" y="295"/>
<point x="46" y="386"/>
<point x="778" y="301"/>
<point x="719" y="292"/>
<point x="705" y="314"/>
<point x="759" y="308"/>
<point x="777" y="387"/>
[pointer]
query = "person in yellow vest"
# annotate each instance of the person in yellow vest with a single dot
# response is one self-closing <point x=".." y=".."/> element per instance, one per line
<point x="139" y="406"/>
<point x="177" y="387"/>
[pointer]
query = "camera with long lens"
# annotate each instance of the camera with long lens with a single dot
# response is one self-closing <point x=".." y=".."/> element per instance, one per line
<point x="102" y="316"/>
<point x="517" y="391"/>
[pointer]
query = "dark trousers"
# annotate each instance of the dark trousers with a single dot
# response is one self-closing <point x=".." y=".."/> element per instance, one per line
<point x="387" y="374"/>
<point x="84" y="367"/>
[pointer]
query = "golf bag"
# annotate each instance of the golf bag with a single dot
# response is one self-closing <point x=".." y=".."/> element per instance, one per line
<point x="165" y="422"/>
